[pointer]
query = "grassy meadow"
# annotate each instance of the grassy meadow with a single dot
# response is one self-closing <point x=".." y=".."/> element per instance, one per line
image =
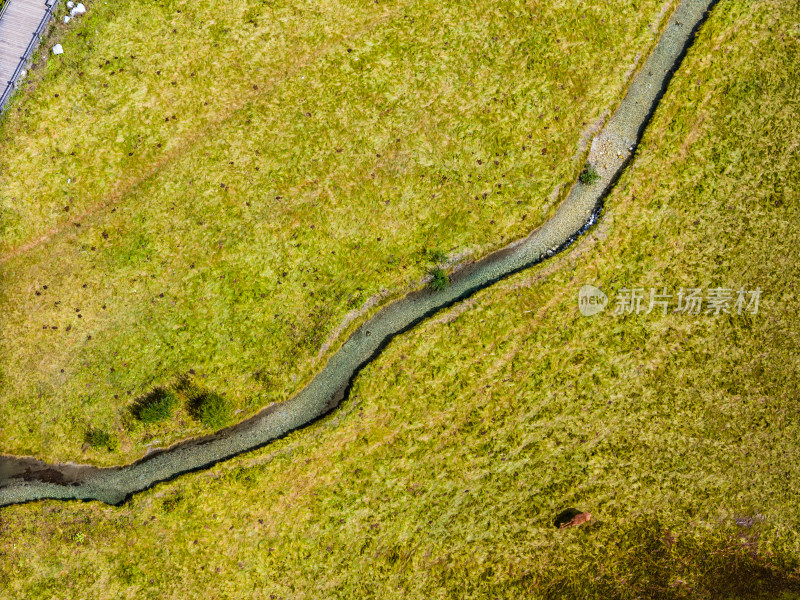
<point x="442" y="474"/>
<point x="204" y="196"/>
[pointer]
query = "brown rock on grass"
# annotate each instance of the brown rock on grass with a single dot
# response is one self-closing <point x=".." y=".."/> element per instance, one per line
<point x="578" y="519"/>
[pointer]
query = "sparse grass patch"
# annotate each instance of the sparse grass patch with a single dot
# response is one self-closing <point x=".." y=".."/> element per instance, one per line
<point x="436" y="256"/>
<point x="171" y="503"/>
<point x="99" y="439"/>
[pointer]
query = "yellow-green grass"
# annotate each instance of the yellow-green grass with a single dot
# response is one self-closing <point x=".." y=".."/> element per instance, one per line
<point x="442" y="474"/>
<point x="207" y="189"/>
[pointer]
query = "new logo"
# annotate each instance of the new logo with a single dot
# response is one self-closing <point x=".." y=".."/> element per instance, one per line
<point x="591" y="300"/>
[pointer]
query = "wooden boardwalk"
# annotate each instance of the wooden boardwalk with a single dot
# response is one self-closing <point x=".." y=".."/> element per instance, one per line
<point x="21" y="24"/>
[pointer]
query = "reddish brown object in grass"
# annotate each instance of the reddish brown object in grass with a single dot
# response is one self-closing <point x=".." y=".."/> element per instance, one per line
<point x="578" y="519"/>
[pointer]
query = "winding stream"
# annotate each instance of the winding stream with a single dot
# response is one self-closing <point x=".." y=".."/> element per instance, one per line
<point x="27" y="479"/>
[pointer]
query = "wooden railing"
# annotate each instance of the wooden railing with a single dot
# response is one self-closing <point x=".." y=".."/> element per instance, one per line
<point x="11" y="85"/>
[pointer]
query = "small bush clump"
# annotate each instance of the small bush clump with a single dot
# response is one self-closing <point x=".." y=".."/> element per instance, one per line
<point x="589" y="175"/>
<point x="439" y="280"/>
<point x="100" y="439"/>
<point x="212" y="409"/>
<point x="156" y="406"/>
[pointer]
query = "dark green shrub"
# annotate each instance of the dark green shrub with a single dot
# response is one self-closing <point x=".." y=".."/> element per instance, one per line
<point x="439" y="280"/>
<point x="212" y="409"/>
<point x="99" y="439"/>
<point x="589" y="176"/>
<point x="156" y="406"/>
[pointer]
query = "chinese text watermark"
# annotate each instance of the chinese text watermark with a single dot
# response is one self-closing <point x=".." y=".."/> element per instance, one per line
<point x="662" y="300"/>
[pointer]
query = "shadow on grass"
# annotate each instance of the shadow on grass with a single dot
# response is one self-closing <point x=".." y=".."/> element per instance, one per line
<point x="646" y="559"/>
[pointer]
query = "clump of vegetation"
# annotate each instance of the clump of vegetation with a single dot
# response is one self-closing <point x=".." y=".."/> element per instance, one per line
<point x="589" y="175"/>
<point x="439" y="280"/>
<point x="156" y="406"/>
<point x="171" y="504"/>
<point x="100" y="439"/>
<point x="437" y="256"/>
<point x="212" y="409"/>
